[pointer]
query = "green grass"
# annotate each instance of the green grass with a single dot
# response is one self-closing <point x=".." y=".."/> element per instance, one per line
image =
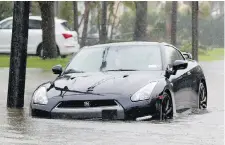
<point x="35" y="62"/>
<point x="211" y="55"/>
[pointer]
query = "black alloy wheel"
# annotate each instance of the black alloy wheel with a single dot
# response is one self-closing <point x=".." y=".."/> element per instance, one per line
<point x="202" y="96"/>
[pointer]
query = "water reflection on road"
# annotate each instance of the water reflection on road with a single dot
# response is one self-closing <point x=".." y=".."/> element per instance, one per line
<point x="199" y="128"/>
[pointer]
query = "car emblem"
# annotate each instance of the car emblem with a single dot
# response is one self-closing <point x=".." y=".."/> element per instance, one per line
<point x="86" y="104"/>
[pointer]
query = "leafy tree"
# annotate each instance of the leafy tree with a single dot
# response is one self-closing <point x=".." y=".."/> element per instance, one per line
<point x="66" y="11"/>
<point x="35" y="9"/>
<point x="204" y="9"/>
<point x="129" y="4"/>
<point x="126" y="27"/>
<point x="203" y="12"/>
<point x="5" y="9"/>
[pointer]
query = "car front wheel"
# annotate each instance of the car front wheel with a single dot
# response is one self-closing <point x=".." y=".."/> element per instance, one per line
<point x="165" y="107"/>
<point x="202" y="96"/>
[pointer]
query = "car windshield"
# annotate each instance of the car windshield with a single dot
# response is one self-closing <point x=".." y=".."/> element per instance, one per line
<point x="117" y="58"/>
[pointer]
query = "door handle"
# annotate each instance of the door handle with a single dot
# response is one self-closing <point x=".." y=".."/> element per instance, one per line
<point x="189" y="73"/>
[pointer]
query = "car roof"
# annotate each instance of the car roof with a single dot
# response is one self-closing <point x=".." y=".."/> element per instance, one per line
<point x="37" y="18"/>
<point x="127" y="43"/>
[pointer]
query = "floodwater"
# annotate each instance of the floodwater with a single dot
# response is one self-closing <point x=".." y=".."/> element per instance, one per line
<point x="199" y="128"/>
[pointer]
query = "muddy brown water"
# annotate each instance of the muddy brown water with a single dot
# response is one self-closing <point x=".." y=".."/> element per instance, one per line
<point x="187" y="128"/>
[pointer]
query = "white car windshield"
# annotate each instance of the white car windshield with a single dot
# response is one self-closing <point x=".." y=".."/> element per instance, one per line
<point x="116" y="58"/>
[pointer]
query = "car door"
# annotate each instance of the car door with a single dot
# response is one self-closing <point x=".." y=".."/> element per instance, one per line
<point x="5" y="36"/>
<point x="181" y="81"/>
<point x="34" y="36"/>
<point x="195" y="72"/>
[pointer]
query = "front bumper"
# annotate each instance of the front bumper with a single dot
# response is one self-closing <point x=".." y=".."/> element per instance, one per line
<point x="124" y="110"/>
<point x="112" y="113"/>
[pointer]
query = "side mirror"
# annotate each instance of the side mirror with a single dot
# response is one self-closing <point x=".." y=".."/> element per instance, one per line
<point x="57" y="69"/>
<point x="177" y="65"/>
<point x="187" y="55"/>
<point x="180" y="64"/>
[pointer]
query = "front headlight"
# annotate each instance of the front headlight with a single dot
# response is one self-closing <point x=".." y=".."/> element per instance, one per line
<point x="144" y="93"/>
<point x="40" y="96"/>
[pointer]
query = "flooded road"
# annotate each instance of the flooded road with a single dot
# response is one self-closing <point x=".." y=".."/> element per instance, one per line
<point x="203" y="128"/>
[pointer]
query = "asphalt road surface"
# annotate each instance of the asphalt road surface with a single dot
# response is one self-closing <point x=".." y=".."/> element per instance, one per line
<point x="187" y="128"/>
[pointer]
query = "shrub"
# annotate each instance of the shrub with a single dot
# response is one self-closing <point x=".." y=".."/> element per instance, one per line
<point x="187" y="47"/>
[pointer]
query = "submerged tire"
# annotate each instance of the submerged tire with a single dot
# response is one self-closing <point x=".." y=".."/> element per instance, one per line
<point x="165" y="107"/>
<point x="202" y="96"/>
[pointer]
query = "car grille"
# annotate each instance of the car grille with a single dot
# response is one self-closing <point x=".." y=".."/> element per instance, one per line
<point x="92" y="103"/>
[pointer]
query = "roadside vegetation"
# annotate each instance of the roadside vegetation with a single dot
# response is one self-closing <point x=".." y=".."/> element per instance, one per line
<point x="36" y="62"/>
<point x="145" y="21"/>
<point x="212" y="55"/>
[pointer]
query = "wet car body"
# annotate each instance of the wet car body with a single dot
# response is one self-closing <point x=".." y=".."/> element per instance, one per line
<point x="107" y="94"/>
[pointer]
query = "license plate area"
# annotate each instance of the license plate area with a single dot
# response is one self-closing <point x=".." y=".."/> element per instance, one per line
<point x="109" y="114"/>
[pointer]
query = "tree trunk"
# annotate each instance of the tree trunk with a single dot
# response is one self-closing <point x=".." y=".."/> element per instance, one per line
<point x="81" y="20"/>
<point x="195" y="30"/>
<point x="98" y="23"/>
<point x="48" y="29"/>
<point x="141" y="21"/>
<point x="174" y="23"/>
<point x="18" y="55"/>
<point x="109" y="16"/>
<point x="168" y="7"/>
<point x="103" y="36"/>
<point x="114" y="19"/>
<point x="86" y="17"/>
<point x="75" y="16"/>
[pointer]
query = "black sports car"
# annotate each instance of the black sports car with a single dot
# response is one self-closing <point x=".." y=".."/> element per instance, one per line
<point x="129" y="80"/>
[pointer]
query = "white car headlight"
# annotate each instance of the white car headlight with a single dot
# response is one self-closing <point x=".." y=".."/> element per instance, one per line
<point x="40" y="96"/>
<point x="144" y="93"/>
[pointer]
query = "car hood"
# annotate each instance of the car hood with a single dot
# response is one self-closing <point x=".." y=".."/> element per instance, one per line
<point x="125" y="83"/>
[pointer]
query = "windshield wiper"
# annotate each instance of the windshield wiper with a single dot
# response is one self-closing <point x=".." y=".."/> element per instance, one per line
<point x="121" y="70"/>
<point x="66" y="89"/>
<point x="69" y="71"/>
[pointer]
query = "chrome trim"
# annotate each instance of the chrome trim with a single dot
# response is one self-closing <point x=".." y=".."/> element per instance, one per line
<point x="88" y="112"/>
<point x="143" y="118"/>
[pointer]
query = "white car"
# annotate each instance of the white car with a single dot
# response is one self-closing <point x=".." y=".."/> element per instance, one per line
<point x="66" y="39"/>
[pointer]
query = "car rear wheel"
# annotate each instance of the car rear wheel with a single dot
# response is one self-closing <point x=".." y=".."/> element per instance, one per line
<point x="165" y="107"/>
<point x="202" y="96"/>
<point x="40" y="51"/>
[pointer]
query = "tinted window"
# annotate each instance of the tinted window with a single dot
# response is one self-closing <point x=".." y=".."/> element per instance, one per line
<point x="7" y="24"/>
<point x="34" y="24"/>
<point x="117" y="57"/>
<point x="172" y="54"/>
